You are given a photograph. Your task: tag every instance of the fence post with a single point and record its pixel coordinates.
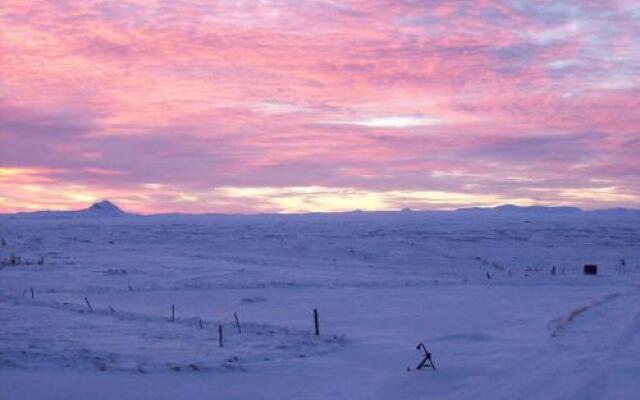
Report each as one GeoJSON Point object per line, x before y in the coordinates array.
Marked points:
{"type": "Point", "coordinates": [220, 339]}
{"type": "Point", "coordinates": [235, 315]}
{"type": "Point", "coordinates": [316, 322]}
{"type": "Point", "coordinates": [88, 304]}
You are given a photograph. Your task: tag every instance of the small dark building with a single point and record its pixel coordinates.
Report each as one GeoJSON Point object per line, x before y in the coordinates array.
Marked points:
{"type": "Point", "coordinates": [591, 269]}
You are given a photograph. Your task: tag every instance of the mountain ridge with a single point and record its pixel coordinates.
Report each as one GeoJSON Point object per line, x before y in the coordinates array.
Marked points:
{"type": "Point", "coordinates": [102, 208]}
{"type": "Point", "coordinates": [107, 208]}
{"type": "Point", "coordinates": [511, 208]}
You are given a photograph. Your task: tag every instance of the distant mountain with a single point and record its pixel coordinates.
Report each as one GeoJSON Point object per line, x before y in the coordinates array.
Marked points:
{"type": "Point", "coordinates": [619, 211]}
{"type": "Point", "coordinates": [103, 208]}
{"type": "Point", "coordinates": [510, 208]}
{"type": "Point", "coordinates": [106, 208]}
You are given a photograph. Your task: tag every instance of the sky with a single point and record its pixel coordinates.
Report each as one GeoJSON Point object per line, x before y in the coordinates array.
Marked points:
{"type": "Point", "coordinates": [297, 105]}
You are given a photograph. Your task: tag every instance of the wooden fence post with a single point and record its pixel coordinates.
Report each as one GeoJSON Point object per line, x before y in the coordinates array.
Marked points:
{"type": "Point", "coordinates": [173, 312]}
{"type": "Point", "coordinates": [316, 322]}
{"type": "Point", "coordinates": [235, 315]}
{"type": "Point", "coordinates": [220, 340]}
{"type": "Point", "coordinates": [88, 304]}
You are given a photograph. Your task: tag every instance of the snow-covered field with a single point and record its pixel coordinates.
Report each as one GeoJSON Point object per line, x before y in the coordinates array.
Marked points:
{"type": "Point", "coordinates": [498, 297]}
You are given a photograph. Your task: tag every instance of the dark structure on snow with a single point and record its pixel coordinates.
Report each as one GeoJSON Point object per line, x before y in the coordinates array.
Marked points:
{"type": "Point", "coordinates": [591, 269]}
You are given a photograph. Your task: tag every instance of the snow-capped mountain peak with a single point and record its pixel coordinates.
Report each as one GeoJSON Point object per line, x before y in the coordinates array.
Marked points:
{"type": "Point", "coordinates": [104, 207]}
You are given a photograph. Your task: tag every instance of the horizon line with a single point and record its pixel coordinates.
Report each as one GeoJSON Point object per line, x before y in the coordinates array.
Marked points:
{"type": "Point", "coordinates": [499, 207]}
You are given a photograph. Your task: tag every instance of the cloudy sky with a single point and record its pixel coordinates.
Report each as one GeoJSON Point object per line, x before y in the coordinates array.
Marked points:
{"type": "Point", "coordinates": [297, 105]}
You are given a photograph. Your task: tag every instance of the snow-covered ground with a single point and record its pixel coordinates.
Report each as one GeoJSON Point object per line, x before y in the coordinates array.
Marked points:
{"type": "Point", "coordinates": [477, 287]}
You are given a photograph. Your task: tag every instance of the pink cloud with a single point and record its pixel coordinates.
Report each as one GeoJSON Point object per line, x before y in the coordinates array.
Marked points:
{"type": "Point", "coordinates": [529, 97]}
